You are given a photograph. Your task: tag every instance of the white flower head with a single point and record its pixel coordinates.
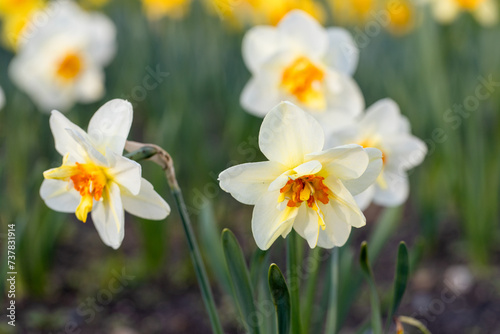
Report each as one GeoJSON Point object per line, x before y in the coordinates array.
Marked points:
{"type": "Point", "coordinates": [384, 128]}
{"type": "Point", "coordinates": [61, 62]}
{"type": "Point", "coordinates": [301, 186]}
{"type": "Point", "coordinates": [95, 177]}
{"type": "Point", "coordinates": [302, 62]}
{"type": "Point", "coordinates": [484, 11]}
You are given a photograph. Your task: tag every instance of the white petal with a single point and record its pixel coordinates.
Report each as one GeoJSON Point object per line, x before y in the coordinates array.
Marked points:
{"type": "Point", "coordinates": [147, 204]}
{"type": "Point", "coordinates": [307, 168]}
{"type": "Point", "coordinates": [64, 141]}
{"type": "Point", "coordinates": [268, 222]}
{"type": "Point", "coordinates": [397, 189]}
{"type": "Point", "coordinates": [102, 46]}
{"type": "Point", "coordinates": [344, 94]}
{"type": "Point", "coordinates": [343, 53]}
{"type": "Point", "coordinates": [370, 175]}
{"type": "Point", "coordinates": [261, 43]}
{"type": "Point", "coordinates": [347, 209]}
{"type": "Point", "coordinates": [125, 172]}
{"type": "Point", "coordinates": [344, 162]}
{"type": "Point", "coordinates": [108, 217]}
{"type": "Point", "coordinates": [110, 125]}
{"type": "Point", "coordinates": [260, 95]}
{"type": "Point", "coordinates": [287, 134]}
{"type": "Point", "coordinates": [59, 196]}
{"type": "Point", "coordinates": [305, 31]}
{"type": "Point", "coordinates": [336, 232]}
{"type": "Point", "coordinates": [87, 148]}
{"type": "Point", "coordinates": [307, 226]}
{"type": "Point", "coordinates": [383, 117]}
{"type": "Point", "coordinates": [248, 182]}
{"type": "Point", "coordinates": [405, 151]}
{"type": "Point", "coordinates": [365, 198]}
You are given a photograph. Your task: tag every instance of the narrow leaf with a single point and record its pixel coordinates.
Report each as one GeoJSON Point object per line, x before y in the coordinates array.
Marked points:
{"type": "Point", "coordinates": [400, 280]}
{"type": "Point", "coordinates": [376, 322]}
{"type": "Point", "coordinates": [281, 298]}
{"type": "Point", "coordinates": [240, 280]}
{"type": "Point", "coordinates": [256, 266]}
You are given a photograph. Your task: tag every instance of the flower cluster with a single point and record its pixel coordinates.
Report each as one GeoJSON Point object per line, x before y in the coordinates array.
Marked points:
{"type": "Point", "coordinates": [320, 175]}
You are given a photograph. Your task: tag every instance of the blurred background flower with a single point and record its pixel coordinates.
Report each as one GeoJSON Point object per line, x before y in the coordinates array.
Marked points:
{"type": "Point", "coordinates": [484, 11]}
{"type": "Point", "coordinates": [60, 60]}
{"type": "Point", "coordinates": [301, 62]}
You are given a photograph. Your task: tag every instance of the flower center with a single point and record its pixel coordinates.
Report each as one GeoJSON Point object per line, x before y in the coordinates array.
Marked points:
{"type": "Point", "coordinates": [303, 79]}
{"type": "Point", "coordinates": [69, 67]}
{"type": "Point", "coordinates": [88, 179]}
{"type": "Point", "coordinates": [308, 188]}
{"type": "Point", "coordinates": [469, 4]}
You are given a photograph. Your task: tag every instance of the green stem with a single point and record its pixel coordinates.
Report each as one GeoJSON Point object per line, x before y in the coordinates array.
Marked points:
{"type": "Point", "coordinates": [311, 289]}
{"type": "Point", "coordinates": [293, 281]}
{"type": "Point", "coordinates": [331, 320]}
{"type": "Point", "coordinates": [161, 157]}
{"type": "Point", "coordinates": [199, 267]}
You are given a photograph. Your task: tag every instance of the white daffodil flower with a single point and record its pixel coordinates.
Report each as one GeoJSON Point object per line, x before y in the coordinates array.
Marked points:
{"type": "Point", "coordinates": [484, 11]}
{"type": "Point", "coordinates": [95, 177]}
{"type": "Point", "coordinates": [384, 127]}
{"type": "Point", "coordinates": [61, 62]}
{"type": "Point", "coordinates": [301, 186]}
{"type": "Point", "coordinates": [300, 61]}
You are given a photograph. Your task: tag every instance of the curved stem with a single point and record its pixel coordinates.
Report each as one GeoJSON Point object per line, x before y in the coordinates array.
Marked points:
{"type": "Point", "coordinates": [140, 151]}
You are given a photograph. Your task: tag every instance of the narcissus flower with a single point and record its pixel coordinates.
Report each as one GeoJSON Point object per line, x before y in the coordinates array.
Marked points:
{"type": "Point", "coordinates": [384, 127]}
{"type": "Point", "coordinates": [61, 62]}
{"type": "Point", "coordinates": [301, 186]}
{"type": "Point", "coordinates": [484, 11]}
{"type": "Point", "coordinates": [301, 62]}
{"type": "Point", "coordinates": [95, 178]}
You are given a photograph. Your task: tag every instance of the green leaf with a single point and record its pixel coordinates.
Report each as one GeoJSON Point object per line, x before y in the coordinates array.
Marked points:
{"type": "Point", "coordinates": [281, 298]}
{"type": "Point", "coordinates": [256, 264]}
{"type": "Point", "coordinates": [400, 280]}
{"type": "Point", "coordinates": [376, 322]}
{"type": "Point", "coordinates": [240, 280]}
